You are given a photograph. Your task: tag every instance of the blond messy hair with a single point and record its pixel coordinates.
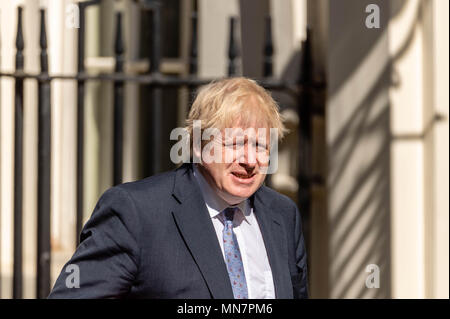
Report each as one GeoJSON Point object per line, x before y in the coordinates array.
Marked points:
{"type": "Point", "coordinates": [222, 103]}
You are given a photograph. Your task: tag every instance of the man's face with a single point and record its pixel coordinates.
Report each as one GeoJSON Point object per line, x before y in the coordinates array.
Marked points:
{"type": "Point", "coordinates": [244, 152]}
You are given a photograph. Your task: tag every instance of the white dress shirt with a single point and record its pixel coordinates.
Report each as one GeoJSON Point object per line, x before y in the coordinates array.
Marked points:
{"type": "Point", "coordinates": [258, 273]}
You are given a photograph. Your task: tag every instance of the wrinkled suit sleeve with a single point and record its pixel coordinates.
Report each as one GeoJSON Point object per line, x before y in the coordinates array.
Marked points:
{"type": "Point", "coordinates": [107, 258]}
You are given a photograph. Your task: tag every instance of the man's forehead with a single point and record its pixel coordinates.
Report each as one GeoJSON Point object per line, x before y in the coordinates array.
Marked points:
{"type": "Point", "coordinates": [249, 132]}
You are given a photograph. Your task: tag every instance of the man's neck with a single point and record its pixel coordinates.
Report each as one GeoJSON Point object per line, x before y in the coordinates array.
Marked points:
{"type": "Point", "coordinates": [212, 191]}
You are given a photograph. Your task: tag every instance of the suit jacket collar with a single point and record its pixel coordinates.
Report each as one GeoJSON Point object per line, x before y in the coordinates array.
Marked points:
{"type": "Point", "coordinates": [194, 223]}
{"type": "Point", "coordinates": [273, 233]}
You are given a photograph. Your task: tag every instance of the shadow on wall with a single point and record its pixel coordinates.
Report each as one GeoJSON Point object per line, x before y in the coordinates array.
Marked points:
{"type": "Point", "coordinates": [359, 139]}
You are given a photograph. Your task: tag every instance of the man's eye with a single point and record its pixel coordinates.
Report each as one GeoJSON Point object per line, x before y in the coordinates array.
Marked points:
{"type": "Point", "coordinates": [237, 145]}
{"type": "Point", "coordinates": [261, 147]}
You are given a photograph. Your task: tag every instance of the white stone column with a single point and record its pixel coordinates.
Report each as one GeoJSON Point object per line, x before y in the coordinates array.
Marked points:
{"type": "Point", "coordinates": [440, 230]}
{"type": "Point", "coordinates": [213, 32]}
{"type": "Point", "coordinates": [62, 44]}
{"type": "Point", "coordinates": [406, 43]}
{"type": "Point", "coordinates": [8, 24]}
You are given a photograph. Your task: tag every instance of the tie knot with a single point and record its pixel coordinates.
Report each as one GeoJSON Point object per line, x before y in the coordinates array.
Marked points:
{"type": "Point", "coordinates": [229, 213]}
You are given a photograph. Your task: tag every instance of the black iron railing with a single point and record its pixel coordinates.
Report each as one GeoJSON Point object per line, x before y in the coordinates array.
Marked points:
{"type": "Point", "coordinates": [156, 81]}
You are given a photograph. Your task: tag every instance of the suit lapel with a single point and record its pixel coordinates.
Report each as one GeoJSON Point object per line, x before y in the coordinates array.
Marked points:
{"type": "Point", "coordinates": [273, 235]}
{"type": "Point", "coordinates": [195, 225]}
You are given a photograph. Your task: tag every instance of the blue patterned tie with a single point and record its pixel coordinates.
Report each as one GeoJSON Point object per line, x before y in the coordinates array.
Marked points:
{"type": "Point", "coordinates": [233, 256]}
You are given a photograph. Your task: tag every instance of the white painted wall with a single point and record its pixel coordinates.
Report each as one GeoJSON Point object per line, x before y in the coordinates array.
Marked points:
{"type": "Point", "coordinates": [420, 150]}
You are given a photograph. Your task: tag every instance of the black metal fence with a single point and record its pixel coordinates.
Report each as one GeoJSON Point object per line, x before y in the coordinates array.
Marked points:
{"type": "Point", "coordinates": [302, 91]}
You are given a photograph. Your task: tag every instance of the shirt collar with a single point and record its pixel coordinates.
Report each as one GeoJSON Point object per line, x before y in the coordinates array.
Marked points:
{"type": "Point", "coordinates": [214, 202]}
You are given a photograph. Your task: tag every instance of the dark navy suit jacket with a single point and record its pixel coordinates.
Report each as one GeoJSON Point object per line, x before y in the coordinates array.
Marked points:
{"type": "Point", "coordinates": [154, 238]}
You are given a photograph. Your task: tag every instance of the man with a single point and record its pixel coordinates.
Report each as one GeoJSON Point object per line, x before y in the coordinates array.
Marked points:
{"type": "Point", "coordinates": [206, 230]}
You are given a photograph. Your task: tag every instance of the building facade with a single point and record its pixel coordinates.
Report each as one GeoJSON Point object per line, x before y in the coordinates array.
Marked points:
{"type": "Point", "coordinates": [377, 224]}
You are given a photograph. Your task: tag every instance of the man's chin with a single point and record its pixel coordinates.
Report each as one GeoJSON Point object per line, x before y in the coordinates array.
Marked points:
{"type": "Point", "coordinates": [240, 195]}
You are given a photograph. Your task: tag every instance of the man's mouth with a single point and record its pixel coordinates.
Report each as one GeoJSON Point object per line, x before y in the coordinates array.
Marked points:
{"type": "Point", "coordinates": [243, 175]}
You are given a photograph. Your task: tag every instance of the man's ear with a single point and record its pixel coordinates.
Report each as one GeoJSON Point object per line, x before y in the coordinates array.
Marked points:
{"type": "Point", "coordinates": [197, 152]}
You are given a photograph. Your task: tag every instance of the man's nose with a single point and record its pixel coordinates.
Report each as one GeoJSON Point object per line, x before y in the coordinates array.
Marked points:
{"type": "Point", "coordinates": [248, 156]}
